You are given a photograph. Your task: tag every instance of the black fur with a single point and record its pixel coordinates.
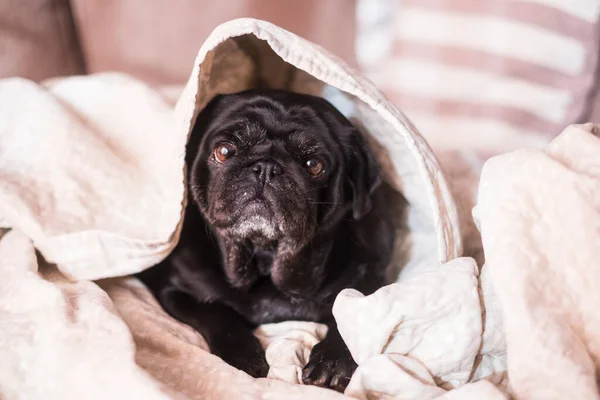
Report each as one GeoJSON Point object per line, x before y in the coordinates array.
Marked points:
{"type": "Point", "coordinates": [265, 241]}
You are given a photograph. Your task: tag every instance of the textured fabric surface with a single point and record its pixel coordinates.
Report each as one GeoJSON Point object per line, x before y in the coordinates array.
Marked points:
{"type": "Point", "coordinates": [416, 339]}
{"type": "Point", "coordinates": [539, 213]}
{"type": "Point", "coordinates": [86, 203]}
{"type": "Point", "coordinates": [62, 340]}
{"type": "Point", "coordinates": [176, 355]}
{"type": "Point", "coordinates": [479, 78]}
{"type": "Point", "coordinates": [496, 75]}
{"type": "Point", "coordinates": [532, 310]}
{"type": "Point", "coordinates": [67, 340]}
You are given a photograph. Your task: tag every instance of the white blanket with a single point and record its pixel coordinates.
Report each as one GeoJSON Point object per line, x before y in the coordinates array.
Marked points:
{"type": "Point", "coordinates": [91, 176]}
{"type": "Point", "coordinates": [539, 213]}
{"type": "Point", "coordinates": [92, 168]}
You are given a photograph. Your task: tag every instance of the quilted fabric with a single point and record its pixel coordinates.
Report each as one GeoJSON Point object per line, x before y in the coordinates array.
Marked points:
{"type": "Point", "coordinates": [539, 213]}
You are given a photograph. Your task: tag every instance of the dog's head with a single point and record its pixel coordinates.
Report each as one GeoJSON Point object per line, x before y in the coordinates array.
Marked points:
{"type": "Point", "coordinates": [275, 169]}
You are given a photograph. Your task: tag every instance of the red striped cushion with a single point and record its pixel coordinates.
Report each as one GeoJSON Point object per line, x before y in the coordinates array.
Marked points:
{"type": "Point", "coordinates": [489, 75]}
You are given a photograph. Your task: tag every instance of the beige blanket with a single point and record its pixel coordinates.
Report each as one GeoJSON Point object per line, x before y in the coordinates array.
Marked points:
{"type": "Point", "coordinates": [91, 175]}
{"type": "Point", "coordinates": [539, 215]}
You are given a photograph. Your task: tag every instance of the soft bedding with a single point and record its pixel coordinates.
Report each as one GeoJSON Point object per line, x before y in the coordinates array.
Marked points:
{"type": "Point", "coordinates": [86, 203]}
{"type": "Point", "coordinates": [413, 340]}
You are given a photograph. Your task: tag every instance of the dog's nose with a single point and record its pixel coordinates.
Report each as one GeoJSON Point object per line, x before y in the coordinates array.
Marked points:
{"type": "Point", "coordinates": [266, 170]}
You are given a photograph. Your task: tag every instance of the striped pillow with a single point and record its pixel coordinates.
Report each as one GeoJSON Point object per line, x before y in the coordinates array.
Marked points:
{"type": "Point", "coordinates": [489, 75]}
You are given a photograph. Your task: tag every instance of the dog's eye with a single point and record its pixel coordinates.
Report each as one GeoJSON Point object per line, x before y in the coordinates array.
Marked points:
{"type": "Point", "coordinates": [315, 167]}
{"type": "Point", "coordinates": [224, 151]}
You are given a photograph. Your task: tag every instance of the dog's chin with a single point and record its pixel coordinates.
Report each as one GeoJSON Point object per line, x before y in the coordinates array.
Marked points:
{"type": "Point", "coordinates": [256, 228]}
{"type": "Point", "coordinates": [256, 223]}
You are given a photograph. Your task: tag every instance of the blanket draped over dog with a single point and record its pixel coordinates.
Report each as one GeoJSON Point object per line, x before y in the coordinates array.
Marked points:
{"type": "Point", "coordinates": [92, 189]}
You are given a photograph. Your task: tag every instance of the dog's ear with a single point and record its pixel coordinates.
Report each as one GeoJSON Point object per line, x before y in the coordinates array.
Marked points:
{"type": "Point", "coordinates": [203, 120]}
{"type": "Point", "coordinates": [363, 175]}
{"type": "Point", "coordinates": [194, 174]}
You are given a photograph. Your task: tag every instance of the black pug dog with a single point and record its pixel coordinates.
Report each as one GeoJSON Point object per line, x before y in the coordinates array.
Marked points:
{"type": "Point", "coordinates": [280, 219]}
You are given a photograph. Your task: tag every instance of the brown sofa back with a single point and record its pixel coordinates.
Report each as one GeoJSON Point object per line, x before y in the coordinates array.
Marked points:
{"type": "Point", "coordinates": [158, 40]}
{"type": "Point", "coordinates": [37, 39]}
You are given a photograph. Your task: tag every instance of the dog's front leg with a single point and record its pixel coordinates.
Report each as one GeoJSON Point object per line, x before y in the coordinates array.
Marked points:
{"type": "Point", "coordinates": [237, 260]}
{"type": "Point", "coordinates": [330, 364]}
{"type": "Point", "coordinates": [226, 332]}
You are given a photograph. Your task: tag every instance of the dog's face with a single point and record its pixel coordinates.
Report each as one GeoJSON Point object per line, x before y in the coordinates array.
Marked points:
{"type": "Point", "coordinates": [276, 169]}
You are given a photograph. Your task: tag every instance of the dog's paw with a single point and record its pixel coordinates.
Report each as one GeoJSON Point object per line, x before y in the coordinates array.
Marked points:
{"type": "Point", "coordinates": [329, 366]}
{"type": "Point", "coordinates": [249, 358]}
{"type": "Point", "coordinates": [256, 367]}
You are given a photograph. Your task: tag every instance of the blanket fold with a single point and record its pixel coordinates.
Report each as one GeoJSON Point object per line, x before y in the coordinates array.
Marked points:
{"type": "Point", "coordinates": [92, 168]}
{"type": "Point", "coordinates": [539, 214]}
